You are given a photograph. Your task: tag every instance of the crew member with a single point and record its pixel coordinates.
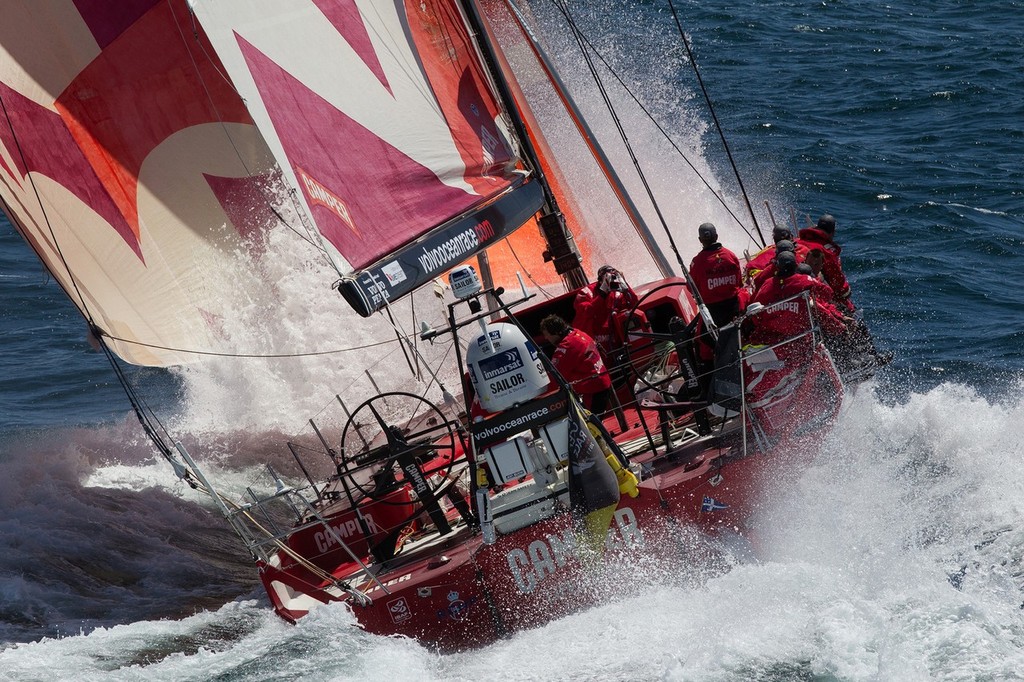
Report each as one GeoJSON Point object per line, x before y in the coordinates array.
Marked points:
{"type": "Point", "coordinates": [769, 269]}
{"type": "Point", "coordinates": [815, 259]}
{"type": "Point", "coordinates": [578, 361]}
{"type": "Point", "coordinates": [857, 347]}
{"type": "Point", "coordinates": [602, 309]}
{"type": "Point", "coordinates": [716, 273]}
{"type": "Point", "coordinates": [821, 236]}
{"type": "Point", "coordinates": [763, 258]}
{"type": "Point", "coordinates": [784, 316]}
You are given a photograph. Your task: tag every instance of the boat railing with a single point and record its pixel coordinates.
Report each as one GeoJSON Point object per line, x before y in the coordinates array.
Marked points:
{"type": "Point", "coordinates": [266, 521]}
{"type": "Point", "coordinates": [694, 418]}
{"type": "Point", "coordinates": [804, 340]}
{"type": "Point", "coordinates": [273, 516]}
{"type": "Point", "coordinates": [813, 329]}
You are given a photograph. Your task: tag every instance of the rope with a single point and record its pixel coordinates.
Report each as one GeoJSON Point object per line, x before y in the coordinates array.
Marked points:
{"type": "Point", "coordinates": [243, 355]}
{"type": "Point", "coordinates": [661, 129]}
{"type": "Point", "coordinates": [580, 39]}
{"type": "Point", "coordinates": [714, 117]}
{"type": "Point", "coordinates": [529, 275]}
{"type": "Point", "coordinates": [402, 336]}
{"type": "Point", "coordinates": [577, 34]}
{"type": "Point", "coordinates": [150, 423]}
{"type": "Point", "coordinates": [361, 597]}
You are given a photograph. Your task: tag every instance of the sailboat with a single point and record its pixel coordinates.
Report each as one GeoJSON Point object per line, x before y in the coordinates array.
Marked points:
{"type": "Point", "coordinates": [146, 153]}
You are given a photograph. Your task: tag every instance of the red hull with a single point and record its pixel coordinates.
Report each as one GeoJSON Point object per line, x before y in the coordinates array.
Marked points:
{"type": "Point", "coordinates": [454, 591]}
{"type": "Point", "coordinates": [464, 593]}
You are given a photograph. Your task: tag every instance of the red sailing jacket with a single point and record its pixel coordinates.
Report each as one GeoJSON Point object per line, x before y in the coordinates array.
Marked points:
{"type": "Point", "coordinates": [762, 277]}
{"type": "Point", "coordinates": [783, 320]}
{"type": "Point", "coordinates": [764, 269]}
{"type": "Point", "coordinates": [823, 294]}
{"type": "Point", "coordinates": [716, 272]}
{"type": "Point", "coordinates": [596, 314]}
{"type": "Point", "coordinates": [832, 270]}
{"type": "Point", "coordinates": [580, 364]}
{"type": "Point", "coordinates": [765, 259]}
{"type": "Point", "coordinates": [759, 262]}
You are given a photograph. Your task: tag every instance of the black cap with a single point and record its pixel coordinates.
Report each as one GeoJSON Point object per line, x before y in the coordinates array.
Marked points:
{"type": "Point", "coordinates": [785, 263]}
{"type": "Point", "coordinates": [827, 224]}
{"type": "Point", "coordinates": [805, 269]}
{"type": "Point", "coordinates": [707, 230]}
{"type": "Point", "coordinates": [780, 233]}
{"type": "Point", "coordinates": [785, 245]}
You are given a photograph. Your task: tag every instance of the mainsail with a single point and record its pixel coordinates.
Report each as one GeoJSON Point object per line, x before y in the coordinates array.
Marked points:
{"type": "Point", "coordinates": [599, 214]}
{"type": "Point", "coordinates": [382, 114]}
{"type": "Point", "coordinates": [147, 150]}
{"type": "Point", "coordinates": [132, 168]}
{"type": "Point", "coordinates": [533, 80]}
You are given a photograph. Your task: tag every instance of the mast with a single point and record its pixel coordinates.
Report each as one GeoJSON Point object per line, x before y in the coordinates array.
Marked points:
{"type": "Point", "coordinates": [625, 200]}
{"type": "Point", "coordinates": [603, 162]}
{"type": "Point", "coordinates": [562, 249]}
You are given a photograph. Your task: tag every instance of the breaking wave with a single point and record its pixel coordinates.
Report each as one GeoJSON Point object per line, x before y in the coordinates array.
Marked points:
{"type": "Point", "coordinates": [896, 555]}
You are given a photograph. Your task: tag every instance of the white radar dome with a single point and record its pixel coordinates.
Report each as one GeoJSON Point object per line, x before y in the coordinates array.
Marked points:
{"type": "Point", "coordinates": [507, 370]}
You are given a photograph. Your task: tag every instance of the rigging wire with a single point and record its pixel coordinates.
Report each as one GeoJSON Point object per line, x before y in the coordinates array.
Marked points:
{"type": "Point", "coordinates": [296, 433]}
{"type": "Point", "coordinates": [529, 275]}
{"type": "Point", "coordinates": [398, 337]}
{"type": "Point", "coordinates": [661, 129]}
{"type": "Point", "coordinates": [403, 336]}
{"type": "Point", "coordinates": [577, 34]}
{"type": "Point", "coordinates": [694, 291]}
{"type": "Point", "coordinates": [245, 355]}
{"type": "Point", "coordinates": [151, 424]}
{"type": "Point", "coordinates": [714, 117]}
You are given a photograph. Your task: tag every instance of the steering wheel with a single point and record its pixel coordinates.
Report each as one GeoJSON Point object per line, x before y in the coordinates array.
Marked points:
{"type": "Point", "coordinates": [397, 438]}
{"type": "Point", "coordinates": [646, 369]}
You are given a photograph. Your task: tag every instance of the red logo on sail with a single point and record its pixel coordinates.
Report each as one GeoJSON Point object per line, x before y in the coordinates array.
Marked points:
{"type": "Point", "coordinates": [318, 194]}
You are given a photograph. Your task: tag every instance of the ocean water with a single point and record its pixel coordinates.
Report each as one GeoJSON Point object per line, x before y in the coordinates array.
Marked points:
{"type": "Point", "coordinates": [899, 555]}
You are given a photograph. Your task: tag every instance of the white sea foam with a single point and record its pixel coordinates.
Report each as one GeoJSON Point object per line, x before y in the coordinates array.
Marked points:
{"type": "Point", "coordinates": [978, 209]}
{"type": "Point", "coordinates": [896, 555]}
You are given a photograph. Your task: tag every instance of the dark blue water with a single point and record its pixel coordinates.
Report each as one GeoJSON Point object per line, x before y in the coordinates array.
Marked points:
{"type": "Point", "coordinates": [903, 120]}
{"type": "Point", "coordinates": [49, 373]}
